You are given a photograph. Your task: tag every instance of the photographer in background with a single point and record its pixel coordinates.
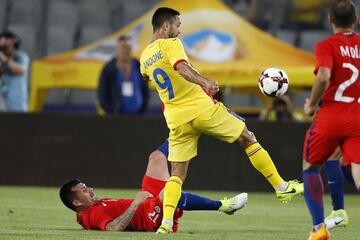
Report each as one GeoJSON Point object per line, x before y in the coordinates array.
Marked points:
{"type": "Point", "coordinates": [280, 110]}
{"type": "Point", "coordinates": [14, 65]}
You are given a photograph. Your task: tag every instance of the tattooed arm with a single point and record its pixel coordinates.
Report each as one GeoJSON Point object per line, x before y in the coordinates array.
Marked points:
{"type": "Point", "coordinates": [122, 221]}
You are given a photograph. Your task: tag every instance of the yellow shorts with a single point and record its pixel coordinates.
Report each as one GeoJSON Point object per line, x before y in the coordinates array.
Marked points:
{"type": "Point", "coordinates": [217, 122]}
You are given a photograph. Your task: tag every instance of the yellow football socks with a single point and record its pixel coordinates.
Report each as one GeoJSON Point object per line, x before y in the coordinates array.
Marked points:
{"type": "Point", "coordinates": [172, 195]}
{"type": "Point", "coordinates": [261, 160]}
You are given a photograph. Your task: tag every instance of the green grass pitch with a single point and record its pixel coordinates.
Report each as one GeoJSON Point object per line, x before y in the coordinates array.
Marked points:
{"type": "Point", "coordinates": [37, 213]}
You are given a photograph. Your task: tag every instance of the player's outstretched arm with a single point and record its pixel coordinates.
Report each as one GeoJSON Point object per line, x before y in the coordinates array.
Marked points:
{"type": "Point", "coordinates": [320, 85]}
{"type": "Point", "coordinates": [122, 221]}
{"type": "Point", "coordinates": [190, 74]}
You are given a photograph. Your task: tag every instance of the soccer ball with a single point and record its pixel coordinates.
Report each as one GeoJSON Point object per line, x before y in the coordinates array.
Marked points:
{"type": "Point", "coordinates": [273, 82]}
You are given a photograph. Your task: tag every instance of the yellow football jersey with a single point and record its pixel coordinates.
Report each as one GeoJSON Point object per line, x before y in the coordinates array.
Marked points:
{"type": "Point", "coordinates": [183, 100]}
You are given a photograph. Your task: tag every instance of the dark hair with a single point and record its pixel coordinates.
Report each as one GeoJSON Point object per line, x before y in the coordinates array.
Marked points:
{"type": "Point", "coordinates": [123, 38]}
{"type": "Point", "coordinates": [343, 13]}
{"type": "Point", "coordinates": [162, 15]}
{"type": "Point", "coordinates": [13, 36]}
{"type": "Point", "coordinates": [67, 195]}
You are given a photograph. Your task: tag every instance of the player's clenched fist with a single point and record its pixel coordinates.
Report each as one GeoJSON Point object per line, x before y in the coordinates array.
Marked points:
{"type": "Point", "coordinates": [211, 87]}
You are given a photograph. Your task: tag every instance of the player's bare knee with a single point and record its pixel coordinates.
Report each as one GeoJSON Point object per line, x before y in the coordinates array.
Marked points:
{"type": "Point", "coordinates": [246, 138]}
{"type": "Point", "coordinates": [357, 181]}
{"type": "Point", "coordinates": [336, 154]}
{"type": "Point", "coordinates": [157, 166]}
{"type": "Point", "coordinates": [157, 158]}
{"type": "Point", "coordinates": [355, 169]}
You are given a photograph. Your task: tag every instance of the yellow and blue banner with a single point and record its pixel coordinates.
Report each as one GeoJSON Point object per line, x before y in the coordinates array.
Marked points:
{"type": "Point", "coordinates": [220, 44]}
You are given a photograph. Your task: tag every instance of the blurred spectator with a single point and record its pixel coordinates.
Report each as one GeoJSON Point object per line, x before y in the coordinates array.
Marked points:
{"type": "Point", "coordinates": [357, 5]}
{"type": "Point", "coordinates": [264, 14]}
{"type": "Point", "coordinates": [14, 65]}
{"type": "Point", "coordinates": [308, 15]}
{"type": "Point", "coordinates": [122, 89]}
{"type": "Point", "coordinates": [249, 10]}
{"type": "Point", "coordinates": [280, 109]}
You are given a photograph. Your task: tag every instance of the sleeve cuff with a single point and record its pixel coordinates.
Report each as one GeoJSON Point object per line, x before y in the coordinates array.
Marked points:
{"type": "Point", "coordinates": [179, 61]}
{"type": "Point", "coordinates": [319, 66]}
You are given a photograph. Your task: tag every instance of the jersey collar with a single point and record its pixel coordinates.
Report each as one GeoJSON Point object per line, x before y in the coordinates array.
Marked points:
{"type": "Point", "coordinates": [346, 34]}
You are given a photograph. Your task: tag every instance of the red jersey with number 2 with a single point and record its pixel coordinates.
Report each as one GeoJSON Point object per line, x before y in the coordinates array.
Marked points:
{"type": "Point", "coordinates": [337, 123]}
{"type": "Point", "coordinates": [340, 53]}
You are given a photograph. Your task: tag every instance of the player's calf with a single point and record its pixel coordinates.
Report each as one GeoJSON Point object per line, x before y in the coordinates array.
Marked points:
{"type": "Point", "coordinates": [262, 162]}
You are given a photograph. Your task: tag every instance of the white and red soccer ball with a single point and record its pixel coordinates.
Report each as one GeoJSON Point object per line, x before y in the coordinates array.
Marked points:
{"type": "Point", "coordinates": [273, 82]}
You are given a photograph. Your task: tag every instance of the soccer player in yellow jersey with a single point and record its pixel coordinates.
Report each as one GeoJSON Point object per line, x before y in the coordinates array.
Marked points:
{"type": "Point", "coordinates": [189, 111]}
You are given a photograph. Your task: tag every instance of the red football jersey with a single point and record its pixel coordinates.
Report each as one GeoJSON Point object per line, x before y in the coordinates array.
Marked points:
{"type": "Point", "coordinates": [147, 217]}
{"type": "Point", "coordinates": [337, 123]}
{"type": "Point", "coordinates": [341, 53]}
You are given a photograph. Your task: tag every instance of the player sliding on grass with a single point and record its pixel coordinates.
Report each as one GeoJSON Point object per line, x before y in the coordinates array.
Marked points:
{"type": "Point", "coordinates": [189, 111]}
{"type": "Point", "coordinates": [337, 121]}
{"type": "Point", "coordinates": [144, 212]}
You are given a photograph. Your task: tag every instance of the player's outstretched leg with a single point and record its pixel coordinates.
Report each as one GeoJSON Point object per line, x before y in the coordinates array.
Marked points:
{"type": "Point", "coordinates": [261, 160]}
{"type": "Point", "coordinates": [193, 202]}
{"type": "Point", "coordinates": [338, 216]}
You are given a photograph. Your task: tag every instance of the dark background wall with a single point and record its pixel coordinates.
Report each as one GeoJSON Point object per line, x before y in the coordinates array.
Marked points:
{"type": "Point", "coordinates": [47, 149]}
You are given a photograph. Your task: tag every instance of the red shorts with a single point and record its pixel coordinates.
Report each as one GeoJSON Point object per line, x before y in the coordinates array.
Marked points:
{"type": "Point", "coordinates": [152, 209]}
{"type": "Point", "coordinates": [333, 127]}
{"type": "Point", "coordinates": [152, 185]}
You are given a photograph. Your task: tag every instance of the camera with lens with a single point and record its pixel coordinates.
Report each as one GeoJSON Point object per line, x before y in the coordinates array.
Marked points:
{"type": "Point", "coordinates": [2, 48]}
{"type": "Point", "coordinates": [2, 64]}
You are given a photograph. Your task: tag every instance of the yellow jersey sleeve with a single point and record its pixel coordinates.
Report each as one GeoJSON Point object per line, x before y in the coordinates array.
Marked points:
{"type": "Point", "coordinates": [174, 51]}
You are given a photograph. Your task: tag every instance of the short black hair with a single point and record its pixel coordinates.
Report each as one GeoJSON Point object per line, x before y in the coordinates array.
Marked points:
{"type": "Point", "coordinates": [123, 38]}
{"type": "Point", "coordinates": [162, 15]}
{"type": "Point", "coordinates": [67, 195]}
{"type": "Point", "coordinates": [11, 35]}
{"type": "Point", "coordinates": [343, 13]}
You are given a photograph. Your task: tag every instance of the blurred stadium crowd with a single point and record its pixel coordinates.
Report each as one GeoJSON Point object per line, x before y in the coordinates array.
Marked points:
{"type": "Point", "coordinates": [48, 27]}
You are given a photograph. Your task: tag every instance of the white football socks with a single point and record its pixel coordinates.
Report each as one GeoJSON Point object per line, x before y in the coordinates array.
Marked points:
{"type": "Point", "coordinates": [282, 187]}
{"type": "Point", "coordinates": [169, 222]}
